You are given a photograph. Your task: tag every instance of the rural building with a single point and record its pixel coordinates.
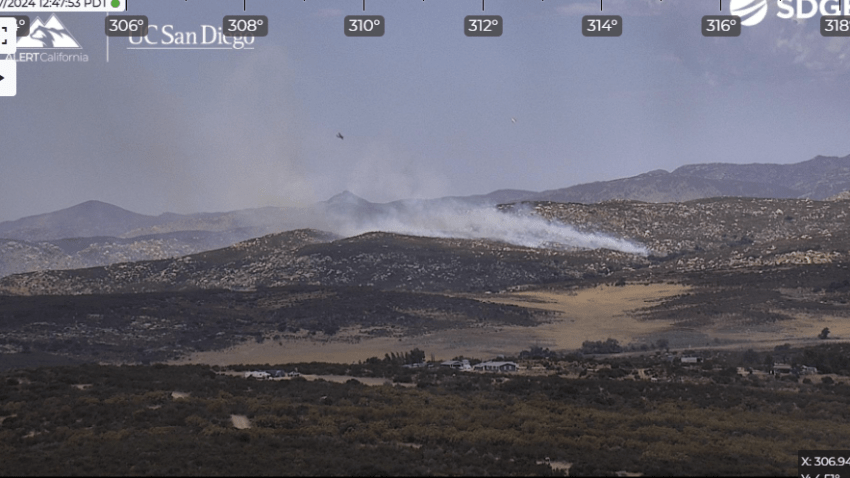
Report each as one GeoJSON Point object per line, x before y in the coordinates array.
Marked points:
{"type": "Point", "coordinates": [496, 366]}
{"type": "Point", "coordinates": [457, 364]}
{"type": "Point", "coordinates": [785, 369]}
{"type": "Point", "coordinates": [691, 359]}
{"type": "Point", "coordinates": [415, 365]}
{"type": "Point", "coordinates": [781, 368]}
{"type": "Point", "coordinates": [259, 375]}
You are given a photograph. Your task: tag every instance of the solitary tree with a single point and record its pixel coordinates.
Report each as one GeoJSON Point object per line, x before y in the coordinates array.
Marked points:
{"type": "Point", "coordinates": [824, 333]}
{"type": "Point", "coordinates": [416, 356]}
{"type": "Point", "coordinates": [768, 361]}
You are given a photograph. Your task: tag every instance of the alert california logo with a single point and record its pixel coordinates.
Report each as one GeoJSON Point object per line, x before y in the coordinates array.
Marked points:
{"type": "Point", "coordinates": [51, 35]}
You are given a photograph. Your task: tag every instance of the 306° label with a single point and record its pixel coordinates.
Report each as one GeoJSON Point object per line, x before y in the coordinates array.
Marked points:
{"type": "Point", "coordinates": [127, 26]}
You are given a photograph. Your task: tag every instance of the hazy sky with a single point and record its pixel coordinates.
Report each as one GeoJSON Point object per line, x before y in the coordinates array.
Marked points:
{"type": "Point", "coordinates": [425, 110]}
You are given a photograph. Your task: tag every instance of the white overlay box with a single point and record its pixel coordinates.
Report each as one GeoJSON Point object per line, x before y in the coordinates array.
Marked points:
{"type": "Point", "coordinates": [9, 72]}
{"type": "Point", "coordinates": [8, 35]}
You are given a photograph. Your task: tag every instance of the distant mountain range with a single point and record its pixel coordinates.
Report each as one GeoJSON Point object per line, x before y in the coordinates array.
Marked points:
{"type": "Point", "coordinates": [818, 178]}
{"type": "Point", "coordinates": [716, 234]}
{"type": "Point", "coordinates": [95, 233]}
{"type": "Point", "coordinates": [99, 219]}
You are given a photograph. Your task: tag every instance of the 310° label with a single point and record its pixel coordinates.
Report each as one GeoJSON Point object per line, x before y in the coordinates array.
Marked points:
{"type": "Point", "coordinates": [364, 26]}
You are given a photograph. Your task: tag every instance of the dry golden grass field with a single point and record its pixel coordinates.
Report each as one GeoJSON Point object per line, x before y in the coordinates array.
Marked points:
{"type": "Point", "coordinates": [586, 314]}
{"type": "Point", "coordinates": [592, 314]}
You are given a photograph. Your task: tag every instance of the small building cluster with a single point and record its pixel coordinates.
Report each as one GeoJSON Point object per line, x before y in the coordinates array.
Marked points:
{"type": "Point", "coordinates": [490, 366]}
{"type": "Point", "coordinates": [496, 367]}
{"type": "Point", "coordinates": [780, 369]}
{"type": "Point", "coordinates": [267, 374]}
{"type": "Point", "coordinates": [691, 360]}
{"type": "Point", "coordinates": [457, 364]}
{"type": "Point", "coordinates": [417, 365]}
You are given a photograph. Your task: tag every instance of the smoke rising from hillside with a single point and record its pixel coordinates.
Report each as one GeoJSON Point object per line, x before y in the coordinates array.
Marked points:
{"type": "Point", "coordinates": [465, 221]}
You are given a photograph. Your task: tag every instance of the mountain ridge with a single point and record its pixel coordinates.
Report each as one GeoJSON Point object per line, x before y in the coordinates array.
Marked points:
{"type": "Point", "coordinates": [819, 178]}
{"type": "Point", "coordinates": [716, 234]}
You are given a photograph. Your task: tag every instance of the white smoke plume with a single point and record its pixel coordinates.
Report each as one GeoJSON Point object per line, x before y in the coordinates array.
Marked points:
{"type": "Point", "coordinates": [450, 219]}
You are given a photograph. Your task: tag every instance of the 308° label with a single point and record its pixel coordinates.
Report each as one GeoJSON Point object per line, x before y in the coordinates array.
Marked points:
{"type": "Point", "coordinates": [245, 25]}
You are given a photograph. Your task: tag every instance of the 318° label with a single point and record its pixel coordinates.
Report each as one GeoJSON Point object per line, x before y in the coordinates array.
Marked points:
{"type": "Point", "coordinates": [831, 26]}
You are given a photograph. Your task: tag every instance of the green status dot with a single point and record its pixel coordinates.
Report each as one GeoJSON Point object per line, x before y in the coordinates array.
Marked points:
{"type": "Point", "coordinates": [116, 3]}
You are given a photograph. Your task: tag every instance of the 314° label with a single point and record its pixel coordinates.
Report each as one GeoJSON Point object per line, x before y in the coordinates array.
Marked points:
{"type": "Point", "coordinates": [602, 25]}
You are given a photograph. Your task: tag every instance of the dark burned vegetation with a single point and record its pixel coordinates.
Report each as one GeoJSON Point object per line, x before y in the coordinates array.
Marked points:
{"type": "Point", "coordinates": [748, 262]}
{"type": "Point", "coordinates": [768, 295]}
{"type": "Point", "coordinates": [382, 260]}
{"type": "Point", "coordinates": [162, 325]}
{"type": "Point", "coordinates": [94, 419]}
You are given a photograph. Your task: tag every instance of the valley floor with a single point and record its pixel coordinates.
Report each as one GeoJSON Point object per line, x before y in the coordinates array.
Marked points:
{"type": "Point", "coordinates": [584, 314]}
{"type": "Point", "coordinates": [578, 315]}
